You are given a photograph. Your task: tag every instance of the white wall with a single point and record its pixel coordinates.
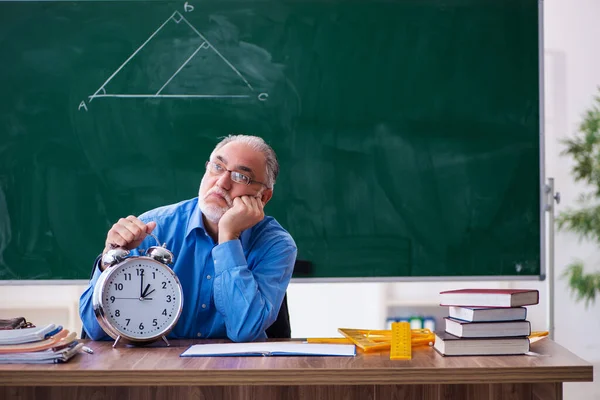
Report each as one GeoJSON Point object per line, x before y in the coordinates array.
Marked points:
{"type": "Point", "coordinates": [572, 35]}
{"type": "Point", "coordinates": [42, 304]}
{"type": "Point", "coordinates": [572, 56]}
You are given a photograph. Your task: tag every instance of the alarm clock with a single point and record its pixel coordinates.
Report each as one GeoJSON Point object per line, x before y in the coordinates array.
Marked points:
{"type": "Point", "coordinates": [138, 299]}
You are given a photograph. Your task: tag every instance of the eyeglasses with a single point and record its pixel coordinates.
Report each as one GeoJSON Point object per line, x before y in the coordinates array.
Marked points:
{"type": "Point", "coordinates": [217, 169]}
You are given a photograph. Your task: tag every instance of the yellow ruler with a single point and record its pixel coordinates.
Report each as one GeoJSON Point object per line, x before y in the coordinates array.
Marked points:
{"type": "Point", "coordinates": [375, 340]}
{"type": "Point", "coordinates": [368, 340]}
{"type": "Point", "coordinates": [395, 340]}
{"type": "Point", "coordinates": [401, 341]}
{"type": "Point", "coordinates": [537, 335]}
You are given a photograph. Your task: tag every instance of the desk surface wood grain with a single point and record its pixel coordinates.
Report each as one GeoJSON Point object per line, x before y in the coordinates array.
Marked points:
{"type": "Point", "coordinates": [162, 366]}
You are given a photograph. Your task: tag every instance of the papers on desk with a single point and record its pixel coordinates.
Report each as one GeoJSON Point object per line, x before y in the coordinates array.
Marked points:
{"type": "Point", "coordinates": [26, 335]}
{"type": "Point", "coordinates": [45, 345]}
{"type": "Point", "coordinates": [269, 349]}
{"type": "Point", "coordinates": [49, 356]}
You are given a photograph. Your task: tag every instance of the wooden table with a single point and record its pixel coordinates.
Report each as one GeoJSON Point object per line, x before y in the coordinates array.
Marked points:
{"type": "Point", "coordinates": [159, 373]}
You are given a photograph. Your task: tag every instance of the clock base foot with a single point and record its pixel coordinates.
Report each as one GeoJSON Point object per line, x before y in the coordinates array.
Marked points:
{"type": "Point", "coordinates": [166, 341]}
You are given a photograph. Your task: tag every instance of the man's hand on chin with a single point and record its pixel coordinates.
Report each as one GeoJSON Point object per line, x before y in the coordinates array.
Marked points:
{"type": "Point", "coordinates": [246, 212]}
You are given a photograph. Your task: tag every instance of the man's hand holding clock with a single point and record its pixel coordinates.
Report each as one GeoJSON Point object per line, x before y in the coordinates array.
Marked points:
{"type": "Point", "coordinates": [128, 233]}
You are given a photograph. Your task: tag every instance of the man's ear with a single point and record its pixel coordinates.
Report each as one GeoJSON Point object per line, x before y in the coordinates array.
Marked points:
{"type": "Point", "coordinates": [266, 196]}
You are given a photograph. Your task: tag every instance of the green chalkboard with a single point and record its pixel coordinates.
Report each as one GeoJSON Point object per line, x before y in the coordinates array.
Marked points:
{"type": "Point", "coordinates": [407, 130]}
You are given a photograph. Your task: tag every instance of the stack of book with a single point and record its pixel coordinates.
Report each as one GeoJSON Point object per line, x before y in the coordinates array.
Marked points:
{"type": "Point", "coordinates": [48, 344]}
{"type": "Point", "coordinates": [486, 322]}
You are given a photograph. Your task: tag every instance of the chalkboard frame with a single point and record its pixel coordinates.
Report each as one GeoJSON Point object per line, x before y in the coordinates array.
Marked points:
{"type": "Point", "coordinates": [542, 197]}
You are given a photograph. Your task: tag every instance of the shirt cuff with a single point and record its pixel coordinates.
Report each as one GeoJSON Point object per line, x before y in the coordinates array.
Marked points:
{"type": "Point", "coordinates": [228, 255]}
{"type": "Point", "coordinates": [96, 271]}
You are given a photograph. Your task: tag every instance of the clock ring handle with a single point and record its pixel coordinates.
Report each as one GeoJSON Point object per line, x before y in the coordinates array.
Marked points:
{"type": "Point", "coordinates": [155, 238]}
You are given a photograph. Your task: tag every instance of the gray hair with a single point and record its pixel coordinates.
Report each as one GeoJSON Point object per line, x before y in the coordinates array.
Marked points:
{"type": "Point", "coordinates": [258, 144]}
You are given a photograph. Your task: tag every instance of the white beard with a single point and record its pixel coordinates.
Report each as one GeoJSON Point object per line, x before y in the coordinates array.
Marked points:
{"type": "Point", "coordinates": [212, 212]}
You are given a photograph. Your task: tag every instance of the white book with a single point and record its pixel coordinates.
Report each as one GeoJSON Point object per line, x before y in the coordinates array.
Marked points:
{"type": "Point", "coordinates": [487, 329]}
{"type": "Point", "coordinates": [270, 349]}
{"type": "Point", "coordinates": [25, 335]}
{"type": "Point", "coordinates": [449, 345]}
{"type": "Point", "coordinates": [485, 314]}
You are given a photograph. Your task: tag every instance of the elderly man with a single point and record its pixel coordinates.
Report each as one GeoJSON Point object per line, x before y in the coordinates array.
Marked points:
{"type": "Point", "coordinates": [234, 264]}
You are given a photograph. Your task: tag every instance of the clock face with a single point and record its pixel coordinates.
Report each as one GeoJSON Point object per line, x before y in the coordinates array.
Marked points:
{"type": "Point", "coordinates": [141, 299]}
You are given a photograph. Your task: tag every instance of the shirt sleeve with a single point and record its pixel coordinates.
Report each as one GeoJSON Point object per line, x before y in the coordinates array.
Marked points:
{"type": "Point", "coordinates": [86, 309]}
{"type": "Point", "coordinates": [249, 300]}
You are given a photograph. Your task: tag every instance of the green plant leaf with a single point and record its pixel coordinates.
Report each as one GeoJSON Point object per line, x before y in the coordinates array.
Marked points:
{"type": "Point", "coordinates": [584, 149]}
{"type": "Point", "coordinates": [583, 286]}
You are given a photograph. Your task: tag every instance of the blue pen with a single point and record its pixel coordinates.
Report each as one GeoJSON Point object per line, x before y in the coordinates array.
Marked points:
{"type": "Point", "coordinates": [54, 332]}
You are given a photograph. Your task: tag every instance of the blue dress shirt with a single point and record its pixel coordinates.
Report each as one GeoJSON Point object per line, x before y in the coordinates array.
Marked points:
{"type": "Point", "coordinates": [233, 289]}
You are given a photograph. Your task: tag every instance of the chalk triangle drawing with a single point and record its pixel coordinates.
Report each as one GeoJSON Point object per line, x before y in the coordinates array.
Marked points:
{"type": "Point", "coordinates": [177, 61]}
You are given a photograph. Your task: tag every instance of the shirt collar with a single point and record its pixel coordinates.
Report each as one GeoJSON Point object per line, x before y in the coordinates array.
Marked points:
{"type": "Point", "coordinates": [196, 221]}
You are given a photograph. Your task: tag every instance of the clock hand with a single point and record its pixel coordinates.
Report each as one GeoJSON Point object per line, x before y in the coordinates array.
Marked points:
{"type": "Point", "coordinates": [145, 290]}
{"type": "Point", "coordinates": [141, 283]}
{"type": "Point", "coordinates": [147, 294]}
{"type": "Point", "coordinates": [127, 298]}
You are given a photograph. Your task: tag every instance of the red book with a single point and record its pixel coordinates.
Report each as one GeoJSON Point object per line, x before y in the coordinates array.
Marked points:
{"type": "Point", "coordinates": [489, 297]}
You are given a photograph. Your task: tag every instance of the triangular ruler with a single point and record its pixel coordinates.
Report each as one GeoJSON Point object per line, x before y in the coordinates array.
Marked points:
{"type": "Point", "coordinates": [375, 340]}
{"type": "Point", "coordinates": [177, 61]}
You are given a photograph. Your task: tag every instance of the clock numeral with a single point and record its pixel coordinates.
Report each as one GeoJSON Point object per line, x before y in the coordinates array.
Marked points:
{"type": "Point", "coordinates": [128, 321]}
{"type": "Point", "coordinates": [117, 313]}
{"type": "Point", "coordinates": [164, 312]}
{"type": "Point", "coordinates": [118, 286]}
{"type": "Point", "coordinates": [168, 298]}
{"type": "Point", "coordinates": [154, 322]}
{"type": "Point", "coordinates": [140, 271]}
{"type": "Point", "coordinates": [112, 299]}
{"type": "Point", "coordinates": [127, 276]}
{"type": "Point", "coordinates": [153, 275]}
{"type": "Point", "coordinates": [164, 284]}
{"type": "Point", "coordinates": [141, 326]}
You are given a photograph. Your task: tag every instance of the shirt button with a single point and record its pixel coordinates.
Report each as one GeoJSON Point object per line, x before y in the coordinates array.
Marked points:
{"type": "Point", "coordinates": [198, 334]}
{"type": "Point", "coordinates": [203, 305]}
{"type": "Point", "coordinates": [208, 276]}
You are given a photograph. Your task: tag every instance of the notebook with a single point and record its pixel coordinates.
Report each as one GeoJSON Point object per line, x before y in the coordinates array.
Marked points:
{"type": "Point", "coordinates": [26, 335]}
{"type": "Point", "coordinates": [49, 356]}
{"type": "Point", "coordinates": [270, 349]}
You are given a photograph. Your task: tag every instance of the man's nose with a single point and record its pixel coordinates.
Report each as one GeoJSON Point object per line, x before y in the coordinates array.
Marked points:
{"type": "Point", "coordinates": [225, 181]}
